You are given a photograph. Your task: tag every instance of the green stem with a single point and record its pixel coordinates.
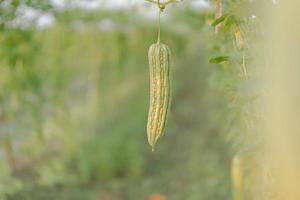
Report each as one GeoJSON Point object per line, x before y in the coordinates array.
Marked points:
{"type": "Point", "coordinates": [158, 37]}
{"type": "Point", "coordinates": [244, 66]}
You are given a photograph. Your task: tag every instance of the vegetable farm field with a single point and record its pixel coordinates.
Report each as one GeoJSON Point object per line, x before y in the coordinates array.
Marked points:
{"type": "Point", "coordinates": [149, 100]}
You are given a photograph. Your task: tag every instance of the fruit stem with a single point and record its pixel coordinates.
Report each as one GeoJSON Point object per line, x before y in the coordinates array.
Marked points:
{"type": "Point", "coordinates": [158, 37]}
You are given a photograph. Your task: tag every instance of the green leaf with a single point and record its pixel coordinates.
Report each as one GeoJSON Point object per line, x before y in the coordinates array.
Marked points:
{"type": "Point", "coordinates": [231, 20]}
{"type": "Point", "coordinates": [219, 59]}
{"type": "Point", "coordinates": [220, 20]}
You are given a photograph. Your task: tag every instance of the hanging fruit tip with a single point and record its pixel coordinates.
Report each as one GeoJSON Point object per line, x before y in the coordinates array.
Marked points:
{"type": "Point", "coordinates": [152, 149]}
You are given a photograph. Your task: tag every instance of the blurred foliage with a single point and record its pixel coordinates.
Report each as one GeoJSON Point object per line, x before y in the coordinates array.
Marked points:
{"type": "Point", "coordinates": [237, 80]}
{"type": "Point", "coordinates": [74, 100]}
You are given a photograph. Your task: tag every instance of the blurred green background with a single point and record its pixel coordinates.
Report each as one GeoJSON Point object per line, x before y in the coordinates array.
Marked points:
{"type": "Point", "coordinates": [74, 95]}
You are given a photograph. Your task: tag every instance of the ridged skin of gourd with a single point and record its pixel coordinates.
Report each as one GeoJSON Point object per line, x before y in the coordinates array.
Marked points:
{"type": "Point", "coordinates": [159, 67]}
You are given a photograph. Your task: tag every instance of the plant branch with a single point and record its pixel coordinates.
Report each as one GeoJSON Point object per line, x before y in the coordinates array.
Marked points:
{"type": "Point", "coordinates": [219, 13]}
{"type": "Point", "coordinates": [165, 3]}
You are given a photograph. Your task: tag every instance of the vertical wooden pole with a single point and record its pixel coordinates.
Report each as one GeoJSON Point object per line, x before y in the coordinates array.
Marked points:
{"type": "Point", "coordinates": [282, 98]}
